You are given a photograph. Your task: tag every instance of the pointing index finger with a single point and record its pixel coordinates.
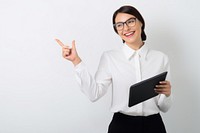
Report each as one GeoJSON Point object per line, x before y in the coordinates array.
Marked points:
{"type": "Point", "coordinates": [59, 42]}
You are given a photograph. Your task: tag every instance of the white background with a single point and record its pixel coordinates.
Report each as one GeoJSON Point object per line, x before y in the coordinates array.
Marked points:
{"type": "Point", "coordinates": [38, 90]}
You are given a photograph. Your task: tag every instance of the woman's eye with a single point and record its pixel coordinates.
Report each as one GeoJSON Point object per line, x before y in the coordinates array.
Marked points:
{"type": "Point", "coordinates": [119, 25]}
{"type": "Point", "coordinates": [131, 21]}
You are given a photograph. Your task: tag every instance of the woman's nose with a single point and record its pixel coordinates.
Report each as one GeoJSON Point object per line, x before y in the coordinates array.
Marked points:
{"type": "Point", "coordinates": [126, 27]}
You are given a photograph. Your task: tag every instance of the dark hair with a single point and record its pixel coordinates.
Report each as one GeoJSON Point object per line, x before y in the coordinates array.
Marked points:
{"type": "Point", "coordinates": [133, 11]}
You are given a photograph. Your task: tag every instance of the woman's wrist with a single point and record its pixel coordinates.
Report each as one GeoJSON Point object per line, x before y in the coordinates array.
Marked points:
{"type": "Point", "coordinates": [76, 61]}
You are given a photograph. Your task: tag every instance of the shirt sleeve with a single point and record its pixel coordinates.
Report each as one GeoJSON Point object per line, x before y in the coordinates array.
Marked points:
{"type": "Point", "coordinates": [94, 88]}
{"type": "Point", "coordinates": [165, 102]}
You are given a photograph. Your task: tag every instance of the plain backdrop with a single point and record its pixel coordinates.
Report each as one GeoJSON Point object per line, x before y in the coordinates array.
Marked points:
{"type": "Point", "coordinates": [38, 90]}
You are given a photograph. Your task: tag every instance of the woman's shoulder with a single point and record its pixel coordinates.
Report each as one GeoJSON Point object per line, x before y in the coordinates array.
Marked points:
{"type": "Point", "coordinates": [157, 54]}
{"type": "Point", "coordinates": [113, 52]}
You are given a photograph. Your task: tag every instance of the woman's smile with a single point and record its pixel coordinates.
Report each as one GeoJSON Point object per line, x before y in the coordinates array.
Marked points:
{"type": "Point", "coordinates": [129, 34]}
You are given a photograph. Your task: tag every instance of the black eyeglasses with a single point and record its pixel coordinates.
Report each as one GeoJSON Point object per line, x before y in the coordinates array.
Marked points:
{"type": "Point", "coordinates": [130, 23]}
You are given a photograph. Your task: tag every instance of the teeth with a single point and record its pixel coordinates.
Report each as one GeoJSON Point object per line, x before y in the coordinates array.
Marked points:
{"type": "Point", "coordinates": [129, 33]}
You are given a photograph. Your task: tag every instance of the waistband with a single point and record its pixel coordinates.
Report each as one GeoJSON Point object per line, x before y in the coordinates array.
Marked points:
{"type": "Point", "coordinates": [121, 116]}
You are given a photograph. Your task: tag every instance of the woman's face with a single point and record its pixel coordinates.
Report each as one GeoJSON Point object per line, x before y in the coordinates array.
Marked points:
{"type": "Point", "coordinates": [130, 34]}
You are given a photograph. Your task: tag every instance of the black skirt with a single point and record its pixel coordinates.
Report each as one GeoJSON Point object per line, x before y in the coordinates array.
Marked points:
{"type": "Point", "coordinates": [122, 123]}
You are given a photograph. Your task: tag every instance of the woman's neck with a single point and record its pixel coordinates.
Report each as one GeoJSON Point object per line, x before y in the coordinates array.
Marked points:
{"type": "Point", "coordinates": [135, 45]}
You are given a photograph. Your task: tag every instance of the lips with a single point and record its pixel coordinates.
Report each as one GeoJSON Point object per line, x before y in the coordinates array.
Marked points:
{"type": "Point", "coordinates": [129, 34]}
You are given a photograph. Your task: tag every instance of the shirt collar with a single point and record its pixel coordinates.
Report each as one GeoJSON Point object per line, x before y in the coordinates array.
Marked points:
{"type": "Point", "coordinates": [129, 52]}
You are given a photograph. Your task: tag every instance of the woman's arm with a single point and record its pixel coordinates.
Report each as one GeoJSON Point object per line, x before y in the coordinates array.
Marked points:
{"type": "Point", "coordinates": [93, 88]}
{"type": "Point", "coordinates": [165, 100]}
{"type": "Point", "coordinates": [164, 88]}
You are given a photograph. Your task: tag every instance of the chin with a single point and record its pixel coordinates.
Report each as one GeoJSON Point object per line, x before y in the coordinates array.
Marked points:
{"type": "Point", "coordinates": [129, 41]}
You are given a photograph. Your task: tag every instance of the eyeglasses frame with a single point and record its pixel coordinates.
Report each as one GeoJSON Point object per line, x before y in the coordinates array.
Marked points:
{"type": "Point", "coordinates": [114, 25]}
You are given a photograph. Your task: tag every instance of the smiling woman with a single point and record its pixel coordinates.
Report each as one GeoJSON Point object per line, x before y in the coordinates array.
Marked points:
{"type": "Point", "coordinates": [131, 11]}
{"type": "Point", "coordinates": [131, 63]}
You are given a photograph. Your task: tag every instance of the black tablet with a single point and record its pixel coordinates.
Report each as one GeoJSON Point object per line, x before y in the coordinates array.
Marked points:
{"type": "Point", "coordinates": [144, 90]}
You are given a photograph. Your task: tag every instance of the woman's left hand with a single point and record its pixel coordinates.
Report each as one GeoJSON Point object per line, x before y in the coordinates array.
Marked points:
{"type": "Point", "coordinates": [164, 87]}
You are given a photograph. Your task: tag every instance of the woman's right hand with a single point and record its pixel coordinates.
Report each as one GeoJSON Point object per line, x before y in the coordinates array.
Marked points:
{"type": "Point", "coordinates": [69, 53]}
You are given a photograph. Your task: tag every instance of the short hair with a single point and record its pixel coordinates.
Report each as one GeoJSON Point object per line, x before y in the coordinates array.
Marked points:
{"type": "Point", "coordinates": [132, 11]}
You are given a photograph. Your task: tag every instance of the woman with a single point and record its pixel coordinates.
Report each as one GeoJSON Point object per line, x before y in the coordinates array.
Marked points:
{"type": "Point", "coordinates": [122, 68]}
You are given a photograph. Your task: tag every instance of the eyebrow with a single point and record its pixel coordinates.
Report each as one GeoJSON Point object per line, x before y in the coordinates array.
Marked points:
{"type": "Point", "coordinates": [126, 20]}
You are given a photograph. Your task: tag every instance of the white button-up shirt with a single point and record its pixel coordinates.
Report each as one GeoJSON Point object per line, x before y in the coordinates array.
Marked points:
{"type": "Point", "coordinates": [121, 69]}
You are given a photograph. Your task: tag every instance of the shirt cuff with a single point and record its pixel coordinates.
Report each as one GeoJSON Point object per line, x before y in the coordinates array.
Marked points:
{"type": "Point", "coordinates": [165, 102]}
{"type": "Point", "coordinates": [79, 67]}
{"type": "Point", "coordinates": [166, 98]}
